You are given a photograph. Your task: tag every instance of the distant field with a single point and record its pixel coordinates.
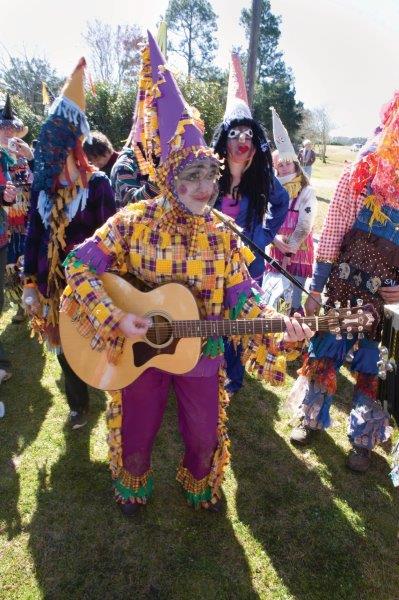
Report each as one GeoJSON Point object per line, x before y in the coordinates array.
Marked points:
{"type": "Point", "coordinates": [325, 177]}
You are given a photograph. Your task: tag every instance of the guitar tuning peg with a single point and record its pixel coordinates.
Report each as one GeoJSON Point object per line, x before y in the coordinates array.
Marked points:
{"type": "Point", "coordinates": [338, 336]}
{"type": "Point", "coordinates": [360, 335]}
{"type": "Point", "coordinates": [337, 304]}
{"type": "Point", "coordinates": [349, 336]}
{"type": "Point", "coordinates": [348, 303]}
{"type": "Point", "coordinates": [359, 302]}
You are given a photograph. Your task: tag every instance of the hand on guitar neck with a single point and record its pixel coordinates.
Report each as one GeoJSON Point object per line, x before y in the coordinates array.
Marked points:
{"type": "Point", "coordinates": [294, 332]}
{"type": "Point", "coordinates": [134, 327]}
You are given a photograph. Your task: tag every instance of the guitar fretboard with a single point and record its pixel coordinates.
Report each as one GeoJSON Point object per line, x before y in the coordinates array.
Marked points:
{"type": "Point", "coordinates": [196, 328]}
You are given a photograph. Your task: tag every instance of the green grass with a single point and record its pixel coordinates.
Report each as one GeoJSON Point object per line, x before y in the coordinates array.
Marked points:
{"type": "Point", "coordinates": [295, 525]}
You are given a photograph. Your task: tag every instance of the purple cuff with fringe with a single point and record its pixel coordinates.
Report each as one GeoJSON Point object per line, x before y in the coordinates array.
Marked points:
{"type": "Point", "coordinates": [91, 254]}
{"type": "Point", "coordinates": [233, 293]}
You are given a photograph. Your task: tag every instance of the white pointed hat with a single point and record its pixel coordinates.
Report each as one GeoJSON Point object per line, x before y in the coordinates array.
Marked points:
{"type": "Point", "coordinates": [237, 99]}
{"type": "Point", "coordinates": [282, 139]}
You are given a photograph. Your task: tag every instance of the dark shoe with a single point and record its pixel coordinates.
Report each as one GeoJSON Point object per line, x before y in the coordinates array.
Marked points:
{"type": "Point", "coordinates": [4, 375]}
{"type": "Point", "coordinates": [129, 509]}
{"type": "Point", "coordinates": [77, 419]}
{"type": "Point", "coordinates": [301, 435]}
{"type": "Point", "coordinates": [214, 507]}
{"type": "Point", "coordinates": [18, 318]}
{"type": "Point", "coordinates": [359, 459]}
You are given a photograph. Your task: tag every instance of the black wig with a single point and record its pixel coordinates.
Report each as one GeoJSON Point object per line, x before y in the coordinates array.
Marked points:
{"type": "Point", "coordinates": [257, 180]}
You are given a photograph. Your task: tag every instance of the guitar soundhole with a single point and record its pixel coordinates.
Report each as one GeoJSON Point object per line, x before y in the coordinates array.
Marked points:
{"type": "Point", "coordinates": [160, 334]}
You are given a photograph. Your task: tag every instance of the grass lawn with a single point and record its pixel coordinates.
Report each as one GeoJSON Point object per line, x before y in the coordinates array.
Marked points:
{"type": "Point", "coordinates": [295, 524]}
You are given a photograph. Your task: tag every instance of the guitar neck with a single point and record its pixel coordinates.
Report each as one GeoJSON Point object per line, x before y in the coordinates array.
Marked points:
{"type": "Point", "coordinates": [227, 327]}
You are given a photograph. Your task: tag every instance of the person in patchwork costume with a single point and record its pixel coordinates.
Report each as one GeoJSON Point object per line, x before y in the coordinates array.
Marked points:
{"type": "Point", "coordinates": [175, 238]}
{"type": "Point", "coordinates": [70, 199]}
{"type": "Point", "coordinates": [357, 259]}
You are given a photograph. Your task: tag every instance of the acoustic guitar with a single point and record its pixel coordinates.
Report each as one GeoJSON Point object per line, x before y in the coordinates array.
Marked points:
{"type": "Point", "coordinates": [173, 342]}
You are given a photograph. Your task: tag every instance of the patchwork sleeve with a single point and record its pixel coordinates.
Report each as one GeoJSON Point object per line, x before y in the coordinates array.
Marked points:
{"type": "Point", "coordinates": [85, 298]}
{"type": "Point", "coordinates": [265, 355]}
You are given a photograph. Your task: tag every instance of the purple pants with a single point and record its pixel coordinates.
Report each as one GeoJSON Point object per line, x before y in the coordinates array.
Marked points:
{"type": "Point", "coordinates": [143, 406]}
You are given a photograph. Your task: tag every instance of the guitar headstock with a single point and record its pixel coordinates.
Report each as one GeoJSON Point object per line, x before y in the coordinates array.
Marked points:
{"type": "Point", "coordinates": [352, 319]}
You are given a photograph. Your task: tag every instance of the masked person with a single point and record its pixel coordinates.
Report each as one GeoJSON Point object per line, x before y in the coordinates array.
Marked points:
{"type": "Point", "coordinates": [357, 258]}
{"type": "Point", "coordinates": [293, 245]}
{"type": "Point", "coordinates": [249, 192]}
{"type": "Point", "coordinates": [175, 238]}
{"type": "Point", "coordinates": [70, 199]}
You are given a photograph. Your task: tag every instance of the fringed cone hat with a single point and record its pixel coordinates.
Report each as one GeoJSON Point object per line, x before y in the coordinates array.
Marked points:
{"type": "Point", "coordinates": [237, 108]}
{"type": "Point", "coordinates": [172, 135]}
{"type": "Point", "coordinates": [8, 120]}
{"type": "Point", "coordinates": [62, 133]}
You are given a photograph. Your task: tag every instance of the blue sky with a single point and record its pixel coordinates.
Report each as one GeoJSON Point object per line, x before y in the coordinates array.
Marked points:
{"type": "Point", "coordinates": [344, 53]}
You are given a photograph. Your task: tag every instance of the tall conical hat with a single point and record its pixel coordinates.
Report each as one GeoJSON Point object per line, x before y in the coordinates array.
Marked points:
{"type": "Point", "coordinates": [282, 139]}
{"type": "Point", "coordinates": [8, 120]}
{"type": "Point", "coordinates": [172, 133]}
{"type": "Point", "coordinates": [62, 132]}
{"type": "Point", "coordinates": [237, 99]}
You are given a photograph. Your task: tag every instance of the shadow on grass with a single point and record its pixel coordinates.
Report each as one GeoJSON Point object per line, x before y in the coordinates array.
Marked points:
{"type": "Point", "coordinates": [26, 407]}
{"type": "Point", "coordinates": [84, 548]}
{"type": "Point", "coordinates": [324, 541]}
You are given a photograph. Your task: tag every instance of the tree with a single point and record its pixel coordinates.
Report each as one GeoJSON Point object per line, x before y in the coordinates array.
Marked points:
{"type": "Point", "coordinates": [316, 126]}
{"type": "Point", "coordinates": [275, 86]}
{"type": "Point", "coordinates": [23, 76]}
{"type": "Point", "coordinates": [114, 52]}
{"type": "Point", "coordinates": [110, 110]}
{"type": "Point", "coordinates": [209, 98]}
{"type": "Point", "coordinates": [194, 24]}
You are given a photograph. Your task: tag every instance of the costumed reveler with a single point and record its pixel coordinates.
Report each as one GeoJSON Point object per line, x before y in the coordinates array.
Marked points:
{"type": "Point", "coordinates": [70, 199]}
{"type": "Point", "coordinates": [175, 238]}
{"type": "Point", "coordinates": [15, 168]}
{"type": "Point", "coordinates": [357, 258]}
{"type": "Point", "coordinates": [293, 245]}
{"type": "Point", "coordinates": [249, 192]}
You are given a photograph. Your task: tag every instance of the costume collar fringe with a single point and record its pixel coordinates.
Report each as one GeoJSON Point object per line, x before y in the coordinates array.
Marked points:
{"type": "Point", "coordinates": [64, 107]}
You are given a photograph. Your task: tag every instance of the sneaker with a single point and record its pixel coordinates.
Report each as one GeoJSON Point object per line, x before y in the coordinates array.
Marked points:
{"type": "Point", "coordinates": [77, 419]}
{"type": "Point", "coordinates": [4, 375]}
{"type": "Point", "coordinates": [129, 509]}
{"type": "Point", "coordinates": [359, 459]}
{"type": "Point", "coordinates": [301, 435]}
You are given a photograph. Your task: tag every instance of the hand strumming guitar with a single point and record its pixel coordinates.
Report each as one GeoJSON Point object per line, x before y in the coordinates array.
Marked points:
{"type": "Point", "coordinates": [133, 327]}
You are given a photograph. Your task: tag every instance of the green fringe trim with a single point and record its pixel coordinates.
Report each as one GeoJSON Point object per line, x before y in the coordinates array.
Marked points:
{"type": "Point", "coordinates": [71, 257]}
{"type": "Point", "coordinates": [235, 310]}
{"type": "Point", "coordinates": [143, 492]}
{"type": "Point", "coordinates": [196, 499]}
{"type": "Point", "coordinates": [213, 347]}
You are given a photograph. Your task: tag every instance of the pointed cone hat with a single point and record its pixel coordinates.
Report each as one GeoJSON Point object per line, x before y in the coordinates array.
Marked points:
{"type": "Point", "coordinates": [62, 132]}
{"type": "Point", "coordinates": [176, 127]}
{"type": "Point", "coordinates": [8, 120]}
{"type": "Point", "coordinates": [282, 139]}
{"type": "Point", "coordinates": [237, 99]}
{"type": "Point", "coordinates": [73, 88]}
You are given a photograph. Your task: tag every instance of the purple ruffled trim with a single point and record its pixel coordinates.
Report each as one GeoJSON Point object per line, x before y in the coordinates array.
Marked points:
{"type": "Point", "coordinates": [90, 254]}
{"type": "Point", "coordinates": [368, 423]}
{"type": "Point", "coordinates": [234, 292]}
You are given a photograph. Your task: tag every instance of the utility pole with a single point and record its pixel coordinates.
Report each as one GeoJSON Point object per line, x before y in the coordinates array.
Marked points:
{"type": "Point", "coordinates": [253, 48]}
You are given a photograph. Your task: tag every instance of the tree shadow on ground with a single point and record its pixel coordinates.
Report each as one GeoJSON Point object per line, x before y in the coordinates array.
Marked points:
{"type": "Point", "coordinates": [84, 548]}
{"type": "Point", "coordinates": [26, 409]}
{"type": "Point", "coordinates": [318, 545]}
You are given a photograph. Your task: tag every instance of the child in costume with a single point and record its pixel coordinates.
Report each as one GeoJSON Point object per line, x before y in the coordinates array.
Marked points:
{"type": "Point", "coordinates": [249, 192]}
{"type": "Point", "coordinates": [293, 245]}
{"type": "Point", "coordinates": [357, 258]}
{"type": "Point", "coordinates": [173, 238]}
{"type": "Point", "coordinates": [70, 199]}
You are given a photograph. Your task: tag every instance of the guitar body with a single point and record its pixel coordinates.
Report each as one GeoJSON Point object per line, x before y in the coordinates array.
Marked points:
{"type": "Point", "coordinates": [167, 303]}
